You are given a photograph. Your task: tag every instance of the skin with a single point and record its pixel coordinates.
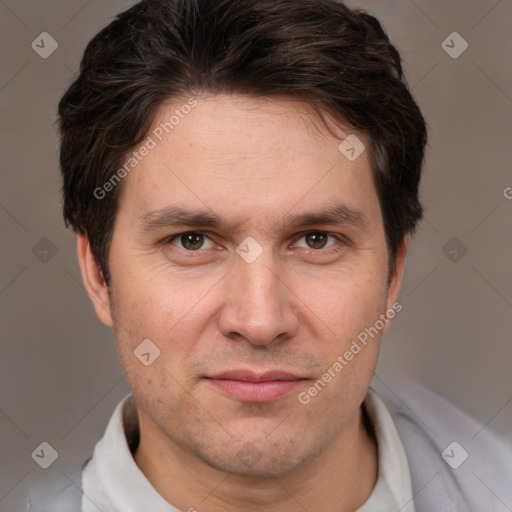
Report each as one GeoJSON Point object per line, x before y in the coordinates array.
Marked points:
{"type": "Point", "coordinates": [256, 163]}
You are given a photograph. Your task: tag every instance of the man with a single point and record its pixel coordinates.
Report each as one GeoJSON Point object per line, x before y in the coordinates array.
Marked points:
{"type": "Point", "coordinates": [243, 177]}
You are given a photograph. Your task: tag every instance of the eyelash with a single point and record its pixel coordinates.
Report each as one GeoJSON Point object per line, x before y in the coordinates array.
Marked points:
{"type": "Point", "coordinates": [329, 249]}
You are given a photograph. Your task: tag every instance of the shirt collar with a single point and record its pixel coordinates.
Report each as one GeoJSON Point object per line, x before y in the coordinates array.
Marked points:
{"type": "Point", "coordinates": [393, 490]}
{"type": "Point", "coordinates": [112, 481]}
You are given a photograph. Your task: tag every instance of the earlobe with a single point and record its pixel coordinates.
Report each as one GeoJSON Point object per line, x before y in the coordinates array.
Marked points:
{"type": "Point", "coordinates": [93, 281]}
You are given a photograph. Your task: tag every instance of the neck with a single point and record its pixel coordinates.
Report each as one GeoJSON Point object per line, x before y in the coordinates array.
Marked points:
{"type": "Point", "coordinates": [339, 479]}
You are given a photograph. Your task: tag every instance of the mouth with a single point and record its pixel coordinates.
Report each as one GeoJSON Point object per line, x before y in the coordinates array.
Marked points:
{"type": "Point", "coordinates": [248, 386]}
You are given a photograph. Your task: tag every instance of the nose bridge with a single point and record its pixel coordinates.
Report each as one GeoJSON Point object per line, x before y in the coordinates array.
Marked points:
{"type": "Point", "coordinates": [258, 303]}
{"type": "Point", "coordinates": [261, 285]}
{"type": "Point", "coordinates": [259, 289]}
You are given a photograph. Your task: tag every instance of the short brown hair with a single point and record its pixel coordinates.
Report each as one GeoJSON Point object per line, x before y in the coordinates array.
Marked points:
{"type": "Point", "coordinates": [338, 60]}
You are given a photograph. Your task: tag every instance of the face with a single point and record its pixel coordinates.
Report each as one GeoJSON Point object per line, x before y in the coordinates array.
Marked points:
{"type": "Point", "coordinates": [246, 242]}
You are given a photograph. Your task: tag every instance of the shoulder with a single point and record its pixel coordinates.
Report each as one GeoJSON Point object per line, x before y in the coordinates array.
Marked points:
{"type": "Point", "coordinates": [68, 499]}
{"type": "Point", "coordinates": [455, 462]}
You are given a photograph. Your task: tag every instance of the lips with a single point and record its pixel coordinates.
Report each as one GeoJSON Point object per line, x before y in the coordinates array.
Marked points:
{"type": "Point", "coordinates": [250, 386]}
{"type": "Point", "coordinates": [249, 376]}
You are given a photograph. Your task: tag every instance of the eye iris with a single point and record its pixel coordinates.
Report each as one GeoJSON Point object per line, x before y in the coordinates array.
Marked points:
{"type": "Point", "coordinates": [192, 241]}
{"type": "Point", "coordinates": [316, 240]}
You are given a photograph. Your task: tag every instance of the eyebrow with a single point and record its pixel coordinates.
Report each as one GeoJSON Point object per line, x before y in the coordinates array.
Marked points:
{"type": "Point", "coordinates": [174, 216]}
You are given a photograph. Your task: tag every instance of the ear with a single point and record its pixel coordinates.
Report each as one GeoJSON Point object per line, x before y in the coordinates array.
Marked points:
{"type": "Point", "coordinates": [93, 281]}
{"type": "Point", "coordinates": [395, 281]}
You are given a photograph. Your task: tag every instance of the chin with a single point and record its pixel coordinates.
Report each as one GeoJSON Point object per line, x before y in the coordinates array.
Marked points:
{"type": "Point", "coordinates": [248, 460]}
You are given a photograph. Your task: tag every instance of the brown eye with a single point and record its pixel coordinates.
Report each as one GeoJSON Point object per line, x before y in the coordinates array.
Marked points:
{"type": "Point", "coordinates": [192, 241]}
{"type": "Point", "coordinates": [316, 240]}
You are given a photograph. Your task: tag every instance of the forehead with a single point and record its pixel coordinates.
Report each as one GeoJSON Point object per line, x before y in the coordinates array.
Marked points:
{"type": "Point", "coordinates": [220, 151]}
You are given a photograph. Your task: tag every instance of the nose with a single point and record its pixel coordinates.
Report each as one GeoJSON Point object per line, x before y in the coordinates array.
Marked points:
{"type": "Point", "coordinates": [259, 304]}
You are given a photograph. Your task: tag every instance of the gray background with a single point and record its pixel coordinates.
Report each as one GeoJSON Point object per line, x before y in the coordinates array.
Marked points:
{"type": "Point", "coordinates": [60, 378]}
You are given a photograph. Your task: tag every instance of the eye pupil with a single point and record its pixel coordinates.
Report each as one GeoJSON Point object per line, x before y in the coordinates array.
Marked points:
{"type": "Point", "coordinates": [316, 240]}
{"type": "Point", "coordinates": [192, 241]}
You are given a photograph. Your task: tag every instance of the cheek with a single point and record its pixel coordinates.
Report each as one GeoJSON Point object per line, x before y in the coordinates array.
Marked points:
{"type": "Point", "coordinates": [170, 313]}
{"type": "Point", "coordinates": [347, 302]}
{"type": "Point", "coordinates": [156, 302]}
{"type": "Point", "coordinates": [351, 346]}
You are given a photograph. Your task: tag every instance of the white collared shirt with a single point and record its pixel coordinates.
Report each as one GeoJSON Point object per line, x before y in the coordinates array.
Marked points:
{"type": "Point", "coordinates": [393, 490]}
{"type": "Point", "coordinates": [112, 481]}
